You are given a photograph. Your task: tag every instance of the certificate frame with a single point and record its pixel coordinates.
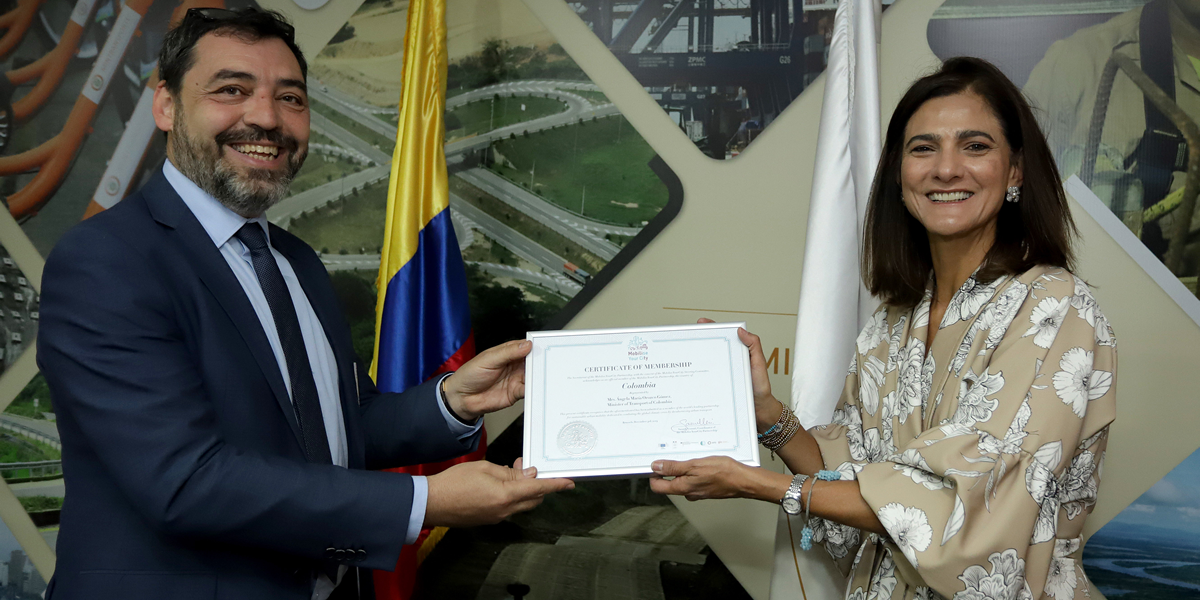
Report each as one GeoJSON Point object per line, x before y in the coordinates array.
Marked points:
{"type": "Point", "coordinates": [577, 437]}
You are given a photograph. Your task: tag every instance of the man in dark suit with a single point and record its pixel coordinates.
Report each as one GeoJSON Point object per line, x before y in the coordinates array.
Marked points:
{"type": "Point", "coordinates": [216, 428]}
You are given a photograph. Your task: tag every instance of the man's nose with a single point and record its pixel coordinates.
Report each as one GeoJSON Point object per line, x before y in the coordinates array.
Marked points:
{"type": "Point", "coordinates": [262, 111]}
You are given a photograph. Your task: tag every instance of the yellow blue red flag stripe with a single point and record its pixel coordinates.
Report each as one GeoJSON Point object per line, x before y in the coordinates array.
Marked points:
{"type": "Point", "coordinates": [422, 320]}
{"type": "Point", "coordinates": [423, 324]}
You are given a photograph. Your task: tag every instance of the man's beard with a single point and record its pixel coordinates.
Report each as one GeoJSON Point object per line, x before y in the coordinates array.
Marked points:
{"type": "Point", "coordinates": [249, 193]}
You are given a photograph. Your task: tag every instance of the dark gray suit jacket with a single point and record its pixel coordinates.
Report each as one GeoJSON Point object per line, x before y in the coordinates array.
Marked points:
{"type": "Point", "coordinates": [184, 471]}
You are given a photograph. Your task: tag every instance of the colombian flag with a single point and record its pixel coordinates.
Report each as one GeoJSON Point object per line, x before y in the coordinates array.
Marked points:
{"type": "Point", "coordinates": [422, 322]}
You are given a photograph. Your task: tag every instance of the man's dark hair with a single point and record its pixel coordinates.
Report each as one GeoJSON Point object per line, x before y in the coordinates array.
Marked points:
{"type": "Point", "coordinates": [1037, 230]}
{"type": "Point", "coordinates": [177, 55]}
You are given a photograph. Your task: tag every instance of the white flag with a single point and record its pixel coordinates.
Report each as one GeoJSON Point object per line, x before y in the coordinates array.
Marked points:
{"type": "Point", "coordinates": [834, 305]}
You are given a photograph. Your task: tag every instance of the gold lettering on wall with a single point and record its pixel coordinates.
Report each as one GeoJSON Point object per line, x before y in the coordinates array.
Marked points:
{"type": "Point", "coordinates": [773, 361]}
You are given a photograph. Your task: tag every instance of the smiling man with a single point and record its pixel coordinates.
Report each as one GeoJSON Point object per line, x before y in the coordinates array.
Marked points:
{"type": "Point", "coordinates": [238, 119]}
{"type": "Point", "coordinates": [216, 427]}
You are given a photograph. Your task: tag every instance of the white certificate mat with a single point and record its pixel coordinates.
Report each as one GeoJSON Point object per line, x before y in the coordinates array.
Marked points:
{"type": "Point", "coordinates": [608, 402]}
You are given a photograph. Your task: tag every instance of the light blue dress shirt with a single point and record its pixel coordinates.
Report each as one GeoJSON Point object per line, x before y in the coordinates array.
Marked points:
{"type": "Point", "coordinates": [221, 224]}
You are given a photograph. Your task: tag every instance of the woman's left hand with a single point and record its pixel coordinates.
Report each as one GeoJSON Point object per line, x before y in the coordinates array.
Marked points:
{"type": "Point", "coordinates": [706, 478]}
{"type": "Point", "coordinates": [761, 383]}
{"type": "Point", "coordinates": [766, 407]}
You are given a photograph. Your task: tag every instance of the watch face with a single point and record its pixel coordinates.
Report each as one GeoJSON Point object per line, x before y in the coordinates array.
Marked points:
{"type": "Point", "coordinates": [791, 506]}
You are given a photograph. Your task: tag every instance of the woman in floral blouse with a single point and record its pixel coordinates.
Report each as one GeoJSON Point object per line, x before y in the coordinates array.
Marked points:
{"type": "Point", "coordinates": [967, 454]}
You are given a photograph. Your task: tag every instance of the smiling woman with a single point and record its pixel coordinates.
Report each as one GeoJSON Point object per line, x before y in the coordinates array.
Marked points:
{"type": "Point", "coordinates": [953, 177]}
{"type": "Point", "coordinates": [967, 135]}
{"type": "Point", "coordinates": [964, 454]}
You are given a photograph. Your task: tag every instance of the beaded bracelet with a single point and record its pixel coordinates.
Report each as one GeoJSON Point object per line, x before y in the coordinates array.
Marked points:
{"type": "Point", "coordinates": [806, 535]}
{"type": "Point", "coordinates": [787, 425]}
{"type": "Point", "coordinates": [778, 424]}
{"type": "Point", "coordinates": [770, 430]}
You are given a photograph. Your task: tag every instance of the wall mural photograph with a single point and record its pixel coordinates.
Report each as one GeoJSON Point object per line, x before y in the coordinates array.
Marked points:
{"type": "Point", "coordinates": [1150, 550]}
{"type": "Point", "coordinates": [30, 451]}
{"type": "Point", "coordinates": [19, 579]}
{"type": "Point", "coordinates": [722, 69]}
{"type": "Point", "coordinates": [18, 311]}
{"type": "Point", "coordinates": [1134, 155]}
{"type": "Point", "coordinates": [548, 181]}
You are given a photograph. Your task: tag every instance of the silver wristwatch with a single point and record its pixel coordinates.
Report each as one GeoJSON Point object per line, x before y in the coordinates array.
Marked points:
{"type": "Point", "coordinates": [791, 498]}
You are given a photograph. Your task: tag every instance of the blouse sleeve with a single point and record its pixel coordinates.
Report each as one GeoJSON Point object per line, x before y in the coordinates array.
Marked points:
{"type": "Point", "coordinates": [834, 439]}
{"type": "Point", "coordinates": [997, 493]}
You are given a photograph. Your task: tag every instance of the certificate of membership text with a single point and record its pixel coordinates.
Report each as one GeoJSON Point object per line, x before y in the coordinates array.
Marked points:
{"type": "Point", "coordinates": [609, 402]}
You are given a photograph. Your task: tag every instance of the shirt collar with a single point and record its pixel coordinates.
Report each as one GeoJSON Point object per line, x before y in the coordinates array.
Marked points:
{"type": "Point", "coordinates": [218, 221]}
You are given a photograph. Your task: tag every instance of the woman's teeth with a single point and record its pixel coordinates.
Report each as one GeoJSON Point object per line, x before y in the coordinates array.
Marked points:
{"type": "Point", "coordinates": [264, 152]}
{"type": "Point", "coordinates": [949, 196]}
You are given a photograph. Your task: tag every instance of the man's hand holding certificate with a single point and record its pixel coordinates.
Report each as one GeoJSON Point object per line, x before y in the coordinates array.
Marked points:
{"type": "Point", "coordinates": [609, 402]}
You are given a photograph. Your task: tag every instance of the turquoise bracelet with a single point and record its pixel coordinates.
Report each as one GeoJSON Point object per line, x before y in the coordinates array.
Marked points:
{"type": "Point", "coordinates": [768, 432]}
{"type": "Point", "coordinates": [806, 535]}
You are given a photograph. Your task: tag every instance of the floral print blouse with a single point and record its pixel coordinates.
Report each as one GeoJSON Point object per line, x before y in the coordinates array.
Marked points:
{"type": "Point", "coordinates": [981, 456]}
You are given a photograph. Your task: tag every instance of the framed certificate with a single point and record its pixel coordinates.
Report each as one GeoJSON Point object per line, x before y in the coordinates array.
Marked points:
{"type": "Point", "coordinates": [608, 402]}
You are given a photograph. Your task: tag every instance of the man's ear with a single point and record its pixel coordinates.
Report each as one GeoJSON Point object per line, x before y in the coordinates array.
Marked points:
{"type": "Point", "coordinates": [164, 107]}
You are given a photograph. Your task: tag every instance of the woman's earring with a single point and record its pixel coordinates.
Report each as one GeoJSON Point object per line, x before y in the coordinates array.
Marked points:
{"type": "Point", "coordinates": [1013, 194]}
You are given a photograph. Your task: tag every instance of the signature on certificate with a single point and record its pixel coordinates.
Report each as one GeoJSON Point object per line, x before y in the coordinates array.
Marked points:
{"type": "Point", "coordinates": [700, 425]}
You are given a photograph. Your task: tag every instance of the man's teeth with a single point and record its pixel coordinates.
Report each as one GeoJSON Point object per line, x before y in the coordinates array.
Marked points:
{"type": "Point", "coordinates": [949, 196]}
{"type": "Point", "coordinates": [269, 151]}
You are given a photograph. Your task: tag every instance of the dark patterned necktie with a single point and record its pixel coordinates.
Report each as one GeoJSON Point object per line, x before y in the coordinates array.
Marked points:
{"type": "Point", "coordinates": [305, 401]}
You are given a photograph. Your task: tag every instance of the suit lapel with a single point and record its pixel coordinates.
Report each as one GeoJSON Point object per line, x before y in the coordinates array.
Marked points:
{"type": "Point", "coordinates": [315, 282]}
{"type": "Point", "coordinates": [168, 208]}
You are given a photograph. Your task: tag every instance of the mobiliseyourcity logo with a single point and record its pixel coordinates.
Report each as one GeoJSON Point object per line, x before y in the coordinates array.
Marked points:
{"type": "Point", "coordinates": [638, 349]}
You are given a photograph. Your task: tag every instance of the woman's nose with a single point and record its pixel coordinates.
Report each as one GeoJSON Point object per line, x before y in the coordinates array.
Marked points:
{"type": "Point", "coordinates": [948, 167]}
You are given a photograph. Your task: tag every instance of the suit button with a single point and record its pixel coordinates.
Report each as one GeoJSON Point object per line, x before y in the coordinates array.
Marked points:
{"type": "Point", "coordinates": [362, 555]}
{"type": "Point", "coordinates": [340, 555]}
{"type": "Point", "coordinates": [330, 553]}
